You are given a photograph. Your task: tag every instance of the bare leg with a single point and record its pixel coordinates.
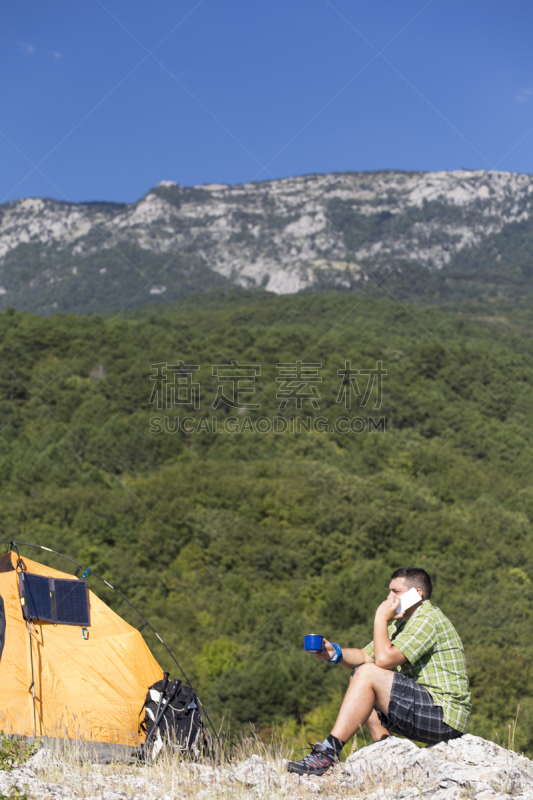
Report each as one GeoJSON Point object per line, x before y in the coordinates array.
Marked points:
{"type": "Point", "coordinates": [369, 687]}
{"type": "Point", "coordinates": [375, 728]}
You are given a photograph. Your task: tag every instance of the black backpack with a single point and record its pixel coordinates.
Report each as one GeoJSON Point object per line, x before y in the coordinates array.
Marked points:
{"type": "Point", "coordinates": [172, 719]}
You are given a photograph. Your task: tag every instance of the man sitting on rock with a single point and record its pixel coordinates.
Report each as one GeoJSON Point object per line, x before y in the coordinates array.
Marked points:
{"type": "Point", "coordinates": [411, 679]}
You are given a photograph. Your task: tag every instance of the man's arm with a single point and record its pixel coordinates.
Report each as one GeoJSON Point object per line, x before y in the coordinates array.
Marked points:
{"type": "Point", "coordinates": [351, 656]}
{"type": "Point", "coordinates": [386, 655]}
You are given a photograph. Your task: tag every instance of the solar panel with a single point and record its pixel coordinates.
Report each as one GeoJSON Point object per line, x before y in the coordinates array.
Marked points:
{"type": "Point", "coordinates": [72, 602]}
{"type": "Point", "coordinates": [64, 602]}
{"type": "Point", "coordinates": [35, 591]}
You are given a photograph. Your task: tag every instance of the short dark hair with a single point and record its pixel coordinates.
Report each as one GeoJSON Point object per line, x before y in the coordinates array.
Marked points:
{"type": "Point", "coordinates": [417, 577]}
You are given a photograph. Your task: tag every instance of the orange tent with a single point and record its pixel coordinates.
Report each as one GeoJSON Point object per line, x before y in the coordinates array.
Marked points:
{"type": "Point", "coordinates": [90, 689]}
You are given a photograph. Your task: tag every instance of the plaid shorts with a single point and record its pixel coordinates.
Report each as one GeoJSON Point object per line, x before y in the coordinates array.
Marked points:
{"type": "Point", "coordinates": [413, 714]}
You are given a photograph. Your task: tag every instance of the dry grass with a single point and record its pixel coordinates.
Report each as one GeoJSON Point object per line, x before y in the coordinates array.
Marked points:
{"type": "Point", "coordinates": [257, 770]}
{"type": "Point", "coordinates": [173, 776]}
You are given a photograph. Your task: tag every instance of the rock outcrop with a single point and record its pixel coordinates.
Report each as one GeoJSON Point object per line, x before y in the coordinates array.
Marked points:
{"type": "Point", "coordinates": [469, 767]}
{"type": "Point", "coordinates": [465, 767]}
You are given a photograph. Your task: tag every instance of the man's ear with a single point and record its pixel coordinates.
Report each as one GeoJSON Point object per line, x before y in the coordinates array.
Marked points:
{"type": "Point", "coordinates": [420, 592]}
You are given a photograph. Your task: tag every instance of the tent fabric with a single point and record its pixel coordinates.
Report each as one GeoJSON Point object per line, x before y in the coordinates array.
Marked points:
{"type": "Point", "coordinates": [87, 689]}
{"type": "Point", "coordinates": [2, 626]}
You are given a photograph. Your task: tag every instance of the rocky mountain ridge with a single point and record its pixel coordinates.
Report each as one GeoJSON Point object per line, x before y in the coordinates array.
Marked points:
{"type": "Point", "coordinates": [285, 236]}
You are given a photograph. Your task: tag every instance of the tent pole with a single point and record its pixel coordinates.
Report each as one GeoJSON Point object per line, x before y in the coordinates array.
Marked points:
{"type": "Point", "coordinates": [32, 687]}
{"type": "Point", "coordinates": [32, 684]}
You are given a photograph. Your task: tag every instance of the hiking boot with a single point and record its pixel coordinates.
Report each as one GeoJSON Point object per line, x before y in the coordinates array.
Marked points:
{"type": "Point", "coordinates": [319, 760]}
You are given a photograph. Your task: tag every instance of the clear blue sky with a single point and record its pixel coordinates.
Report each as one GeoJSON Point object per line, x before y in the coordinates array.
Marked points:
{"type": "Point", "coordinates": [232, 86]}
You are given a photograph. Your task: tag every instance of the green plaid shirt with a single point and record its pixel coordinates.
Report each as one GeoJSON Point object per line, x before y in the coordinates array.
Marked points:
{"type": "Point", "coordinates": [435, 659]}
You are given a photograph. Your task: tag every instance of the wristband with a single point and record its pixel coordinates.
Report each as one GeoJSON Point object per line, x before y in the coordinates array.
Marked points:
{"type": "Point", "coordinates": [338, 654]}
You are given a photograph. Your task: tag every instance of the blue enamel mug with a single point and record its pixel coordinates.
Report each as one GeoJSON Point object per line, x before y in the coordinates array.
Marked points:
{"type": "Point", "coordinates": [313, 643]}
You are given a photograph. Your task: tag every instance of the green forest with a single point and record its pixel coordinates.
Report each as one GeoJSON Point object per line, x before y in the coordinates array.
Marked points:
{"type": "Point", "coordinates": [236, 544]}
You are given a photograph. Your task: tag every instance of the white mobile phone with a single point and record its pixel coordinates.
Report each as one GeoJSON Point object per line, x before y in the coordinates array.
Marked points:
{"type": "Point", "coordinates": [410, 598]}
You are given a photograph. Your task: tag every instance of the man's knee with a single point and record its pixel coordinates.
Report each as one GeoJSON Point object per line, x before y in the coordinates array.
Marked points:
{"type": "Point", "coordinates": [364, 672]}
